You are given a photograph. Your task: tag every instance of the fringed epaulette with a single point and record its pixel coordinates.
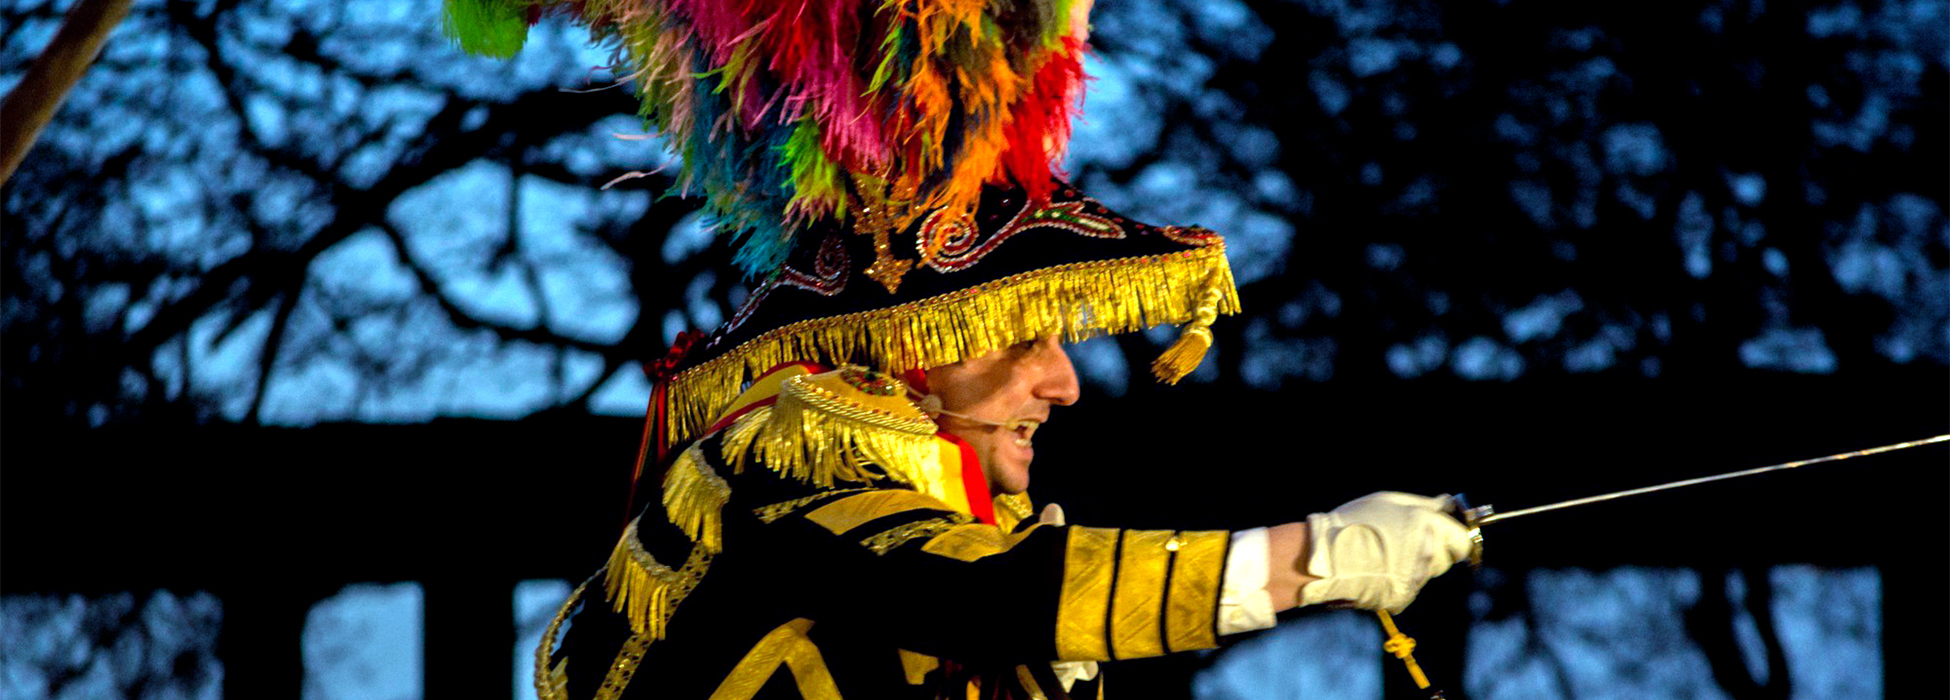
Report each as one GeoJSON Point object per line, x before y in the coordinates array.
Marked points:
{"type": "Point", "coordinates": [694, 498]}
{"type": "Point", "coordinates": [645, 591]}
{"type": "Point", "coordinates": [850, 426]}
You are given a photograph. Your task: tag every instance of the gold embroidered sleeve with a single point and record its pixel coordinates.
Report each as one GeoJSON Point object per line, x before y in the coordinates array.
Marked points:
{"type": "Point", "coordinates": [1135, 624]}
{"type": "Point", "coordinates": [1089, 565]}
{"type": "Point", "coordinates": [1192, 607]}
{"type": "Point", "coordinates": [1135, 593]}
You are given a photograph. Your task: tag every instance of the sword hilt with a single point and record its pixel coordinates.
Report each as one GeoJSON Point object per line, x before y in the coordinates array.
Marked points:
{"type": "Point", "coordinates": [1472, 517]}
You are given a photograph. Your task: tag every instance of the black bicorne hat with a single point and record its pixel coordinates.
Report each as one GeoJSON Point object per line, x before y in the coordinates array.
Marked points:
{"type": "Point", "coordinates": [862, 164]}
{"type": "Point", "coordinates": [1022, 267]}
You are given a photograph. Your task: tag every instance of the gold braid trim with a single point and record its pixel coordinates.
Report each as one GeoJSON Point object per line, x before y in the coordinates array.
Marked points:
{"type": "Point", "coordinates": [552, 683]}
{"type": "Point", "coordinates": [771, 513]}
{"type": "Point", "coordinates": [645, 591]}
{"type": "Point", "coordinates": [787, 646]}
{"type": "Point", "coordinates": [888, 540]}
{"type": "Point", "coordinates": [694, 498]}
{"type": "Point", "coordinates": [621, 670]}
{"type": "Point", "coordinates": [1075, 301]}
{"type": "Point", "coordinates": [816, 436]}
{"type": "Point", "coordinates": [1011, 509]}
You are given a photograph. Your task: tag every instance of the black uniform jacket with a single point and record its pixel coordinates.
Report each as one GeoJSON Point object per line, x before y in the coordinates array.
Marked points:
{"type": "Point", "coordinates": [868, 590]}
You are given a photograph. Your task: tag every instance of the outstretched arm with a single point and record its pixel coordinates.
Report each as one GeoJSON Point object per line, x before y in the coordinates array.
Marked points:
{"type": "Point", "coordinates": [1287, 547]}
{"type": "Point", "coordinates": [1374, 552]}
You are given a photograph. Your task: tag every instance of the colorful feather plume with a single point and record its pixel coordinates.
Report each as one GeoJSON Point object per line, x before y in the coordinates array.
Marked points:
{"type": "Point", "coordinates": [790, 112]}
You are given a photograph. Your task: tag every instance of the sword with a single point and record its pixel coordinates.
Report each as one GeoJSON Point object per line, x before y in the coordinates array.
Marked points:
{"type": "Point", "coordinates": [1479, 516]}
{"type": "Point", "coordinates": [1402, 646]}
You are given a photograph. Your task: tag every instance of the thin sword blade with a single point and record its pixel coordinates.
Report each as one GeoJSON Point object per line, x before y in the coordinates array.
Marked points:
{"type": "Point", "coordinates": [1499, 517]}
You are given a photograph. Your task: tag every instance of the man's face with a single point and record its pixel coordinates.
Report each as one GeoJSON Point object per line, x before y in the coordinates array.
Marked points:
{"type": "Point", "coordinates": [1015, 386]}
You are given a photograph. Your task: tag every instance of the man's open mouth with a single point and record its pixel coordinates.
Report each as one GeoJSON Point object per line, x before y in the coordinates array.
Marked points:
{"type": "Point", "coordinates": [1025, 430]}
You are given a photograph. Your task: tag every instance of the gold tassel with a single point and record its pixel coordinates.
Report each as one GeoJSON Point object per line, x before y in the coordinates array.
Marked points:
{"type": "Point", "coordinates": [1193, 341]}
{"type": "Point", "coordinates": [815, 436]}
{"type": "Point", "coordinates": [1075, 301]}
{"type": "Point", "coordinates": [645, 591]}
{"type": "Point", "coordinates": [694, 499]}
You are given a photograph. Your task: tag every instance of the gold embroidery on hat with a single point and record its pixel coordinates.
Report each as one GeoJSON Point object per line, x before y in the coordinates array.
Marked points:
{"type": "Point", "coordinates": [1073, 302]}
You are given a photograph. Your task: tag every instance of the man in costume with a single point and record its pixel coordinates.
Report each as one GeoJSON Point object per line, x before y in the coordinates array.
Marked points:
{"type": "Point", "coordinates": [843, 464]}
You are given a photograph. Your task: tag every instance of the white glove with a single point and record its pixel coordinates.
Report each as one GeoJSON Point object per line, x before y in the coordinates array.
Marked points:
{"type": "Point", "coordinates": [1376, 551]}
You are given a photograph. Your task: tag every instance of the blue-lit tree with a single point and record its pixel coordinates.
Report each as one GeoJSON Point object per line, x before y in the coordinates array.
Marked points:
{"type": "Point", "coordinates": [287, 212]}
{"type": "Point", "coordinates": [284, 213]}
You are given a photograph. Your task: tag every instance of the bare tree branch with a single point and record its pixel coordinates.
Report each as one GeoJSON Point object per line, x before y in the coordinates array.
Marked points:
{"type": "Point", "coordinates": [267, 358]}
{"type": "Point", "coordinates": [1534, 640]}
{"type": "Point", "coordinates": [441, 147]}
{"type": "Point", "coordinates": [540, 335]}
{"type": "Point", "coordinates": [1711, 623]}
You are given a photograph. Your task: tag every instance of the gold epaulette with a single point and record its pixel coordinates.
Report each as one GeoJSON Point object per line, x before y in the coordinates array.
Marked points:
{"type": "Point", "coordinates": [849, 426]}
{"type": "Point", "coordinates": [645, 591]}
{"type": "Point", "coordinates": [694, 498]}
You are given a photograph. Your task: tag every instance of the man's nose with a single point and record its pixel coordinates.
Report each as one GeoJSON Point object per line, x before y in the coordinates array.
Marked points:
{"type": "Point", "coordinates": [1058, 383]}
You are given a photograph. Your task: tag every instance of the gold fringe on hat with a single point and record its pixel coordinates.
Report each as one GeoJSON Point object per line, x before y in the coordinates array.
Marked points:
{"type": "Point", "coordinates": [1075, 301]}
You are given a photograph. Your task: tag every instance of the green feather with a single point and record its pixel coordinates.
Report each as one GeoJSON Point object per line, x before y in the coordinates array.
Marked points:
{"type": "Point", "coordinates": [495, 28]}
{"type": "Point", "coordinates": [1056, 24]}
{"type": "Point", "coordinates": [890, 49]}
{"type": "Point", "coordinates": [815, 177]}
